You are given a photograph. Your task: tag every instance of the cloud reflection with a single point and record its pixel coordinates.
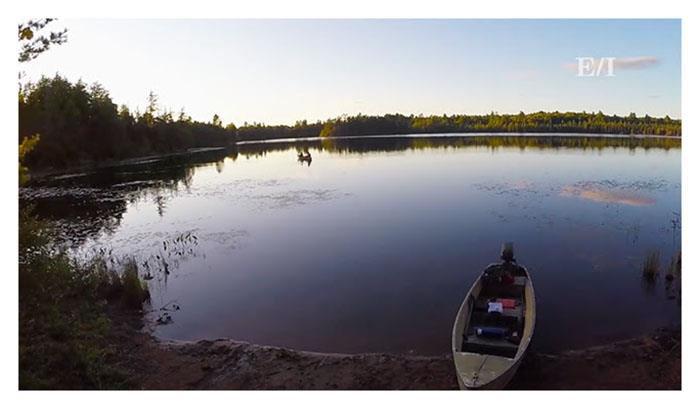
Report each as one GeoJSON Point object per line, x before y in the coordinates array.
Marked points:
{"type": "Point", "coordinates": [599, 195]}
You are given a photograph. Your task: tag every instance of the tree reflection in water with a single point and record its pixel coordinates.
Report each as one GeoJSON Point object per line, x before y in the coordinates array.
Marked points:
{"type": "Point", "coordinates": [99, 198]}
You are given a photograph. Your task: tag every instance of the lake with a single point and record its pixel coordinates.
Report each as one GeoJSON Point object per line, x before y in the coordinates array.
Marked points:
{"type": "Point", "coordinates": [372, 245]}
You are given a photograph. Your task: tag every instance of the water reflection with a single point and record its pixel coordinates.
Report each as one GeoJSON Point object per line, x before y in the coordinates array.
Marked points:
{"type": "Point", "coordinates": [394, 144]}
{"type": "Point", "coordinates": [98, 198]}
{"type": "Point", "coordinates": [606, 196]}
{"type": "Point", "coordinates": [92, 203]}
{"type": "Point", "coordinates": [373, 247]}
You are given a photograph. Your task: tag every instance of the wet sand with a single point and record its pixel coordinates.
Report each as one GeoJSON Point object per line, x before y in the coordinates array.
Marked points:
{"type": "Point", "coordinates": [648, 362]}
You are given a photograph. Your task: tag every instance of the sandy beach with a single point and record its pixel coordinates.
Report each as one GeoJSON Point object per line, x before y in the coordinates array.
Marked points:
{"type": "Point", "coordinates": [650, 362]}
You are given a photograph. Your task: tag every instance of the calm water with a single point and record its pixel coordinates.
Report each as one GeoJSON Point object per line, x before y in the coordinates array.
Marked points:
{"type": "Point", "coordinates": [372, 246]}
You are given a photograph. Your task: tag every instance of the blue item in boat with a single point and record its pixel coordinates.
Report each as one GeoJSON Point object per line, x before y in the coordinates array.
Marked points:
{"type": "Point", "coordinates": [491, 332]}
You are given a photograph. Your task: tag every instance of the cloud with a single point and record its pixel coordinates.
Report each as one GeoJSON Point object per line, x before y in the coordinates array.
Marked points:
{"type": "Point", "coordinates": [635, 62]}
{"type": "Point", "coordinates": [622, 63]}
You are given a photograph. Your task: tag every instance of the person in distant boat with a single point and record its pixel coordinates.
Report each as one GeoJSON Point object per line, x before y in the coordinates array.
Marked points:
{"type": "Point", "coordinates": [304, 156]}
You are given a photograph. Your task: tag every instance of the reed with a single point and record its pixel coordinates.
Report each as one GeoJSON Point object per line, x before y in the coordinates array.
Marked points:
{"type": "Point", "coordinates": [134, 291]}
{"type": "Point", "coordinates": [651, 266]}
{"type": "Point", "coordinates": [674, 268]}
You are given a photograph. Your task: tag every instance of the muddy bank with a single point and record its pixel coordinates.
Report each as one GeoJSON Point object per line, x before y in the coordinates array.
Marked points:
{"type": "Point", "coordinates": [644, 363]}
{"type": "Point", "coordinates": [649, 362]}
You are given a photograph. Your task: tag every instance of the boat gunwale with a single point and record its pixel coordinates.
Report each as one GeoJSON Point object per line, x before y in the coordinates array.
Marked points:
{"type": "Point", "coordinates": [522, 346]}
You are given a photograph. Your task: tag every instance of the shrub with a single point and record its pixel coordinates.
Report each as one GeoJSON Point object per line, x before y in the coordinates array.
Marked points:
{"type": "Point", "coordinates": [63, 324]}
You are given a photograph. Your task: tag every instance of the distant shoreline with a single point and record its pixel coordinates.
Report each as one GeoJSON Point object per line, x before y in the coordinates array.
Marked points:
{"type": "Point", "coordinates": [136, 160]}
{"type": "Point", "coordinates": [459, 135]}
{"type": "Point", "coordinates": [88, 167]}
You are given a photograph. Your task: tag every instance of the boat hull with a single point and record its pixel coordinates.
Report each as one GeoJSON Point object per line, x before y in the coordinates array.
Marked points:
{"type": "Point", "coordinates": [481, 371]}
{"type": "Point", "coordinates": [497, 384]}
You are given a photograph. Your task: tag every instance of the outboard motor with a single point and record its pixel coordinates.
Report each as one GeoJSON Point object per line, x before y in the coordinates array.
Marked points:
{"type": "Point", "coordinates": [507, 252]}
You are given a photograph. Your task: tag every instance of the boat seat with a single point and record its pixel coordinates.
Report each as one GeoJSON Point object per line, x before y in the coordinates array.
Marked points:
{"type": "Point", "coordinates": [497, 290]}
{"type": "Point", "coordinates": [480, 318]}
{"type": "Point", "coordinates": [519, 280]}
{"type": "Point", "coordinates": [481, 305]}
{"type": "Point", "coordinates": [489, 346]}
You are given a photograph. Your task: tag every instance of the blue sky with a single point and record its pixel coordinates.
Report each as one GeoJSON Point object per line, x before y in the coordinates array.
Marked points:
{"type": "Point", "coordinates": [279, 71]}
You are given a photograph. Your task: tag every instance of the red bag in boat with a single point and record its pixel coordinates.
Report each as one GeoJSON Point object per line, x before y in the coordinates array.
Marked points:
{"type": "Point", "coordinates": [507, 302]}
{"type": "Point", "coordinates": [507, 279]}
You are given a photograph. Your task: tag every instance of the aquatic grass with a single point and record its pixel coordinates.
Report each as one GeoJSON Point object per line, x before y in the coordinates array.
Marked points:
{"type": "Point", "coordinates": [134, 291]}
{"type": "Point", "coordinates": [651, 266]}
{"type": "Point", "coordinates": [118, 282]}
{"type": "Point", "coordinates": [673, 289]}
{"type": "Point", "coordinates": [675, 267]}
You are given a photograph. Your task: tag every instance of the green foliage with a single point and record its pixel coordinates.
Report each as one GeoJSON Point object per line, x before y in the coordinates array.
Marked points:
{"type": "Point", "coordinates": [328, 129]}
{"type": "Point", "coordinates": [33, 41]}
{"type": "Point", "coordinates": [63, 326]}
{"type": "Point", "coordinates": [395, 124]}
{"type": "Point", "coordinates": [257, 131]}
{"type": "Point", "coordinates": [80, 124]}
{"type": "Point", "coordinates": [125, 287]}
{"type": "Point", "coordinates": [134, 290]}
{"type": "Point", "coordinates": [27, 145]}
{"type": "Point", "coordinates": [563, 122]}
{"type": "Point", "coordinates": [149, 117]}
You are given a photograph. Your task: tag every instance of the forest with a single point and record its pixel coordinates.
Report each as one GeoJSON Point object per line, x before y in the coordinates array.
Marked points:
{"type": "Point", "coordinates": [79, 124]}
{"type": "Point", "coordinates": [549, 122]}
{"type": "Point", "coordinates": [73, 124]}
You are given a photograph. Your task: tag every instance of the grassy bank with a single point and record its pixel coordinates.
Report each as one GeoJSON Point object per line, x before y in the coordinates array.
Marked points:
{"type": "Point", "coordinates": [64, 325]}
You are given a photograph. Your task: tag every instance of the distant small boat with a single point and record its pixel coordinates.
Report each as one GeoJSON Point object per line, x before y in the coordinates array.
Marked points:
{"type": "Point", "coordinates": [494, 325]}
{"type": "Point", "coordinates": [304, 157]}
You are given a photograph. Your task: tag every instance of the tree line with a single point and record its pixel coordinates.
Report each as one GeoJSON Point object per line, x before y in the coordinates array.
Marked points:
{"type": "Point", "coordinates": [79, 124]}
{"type": "Point", "coordinates": [547, 122]}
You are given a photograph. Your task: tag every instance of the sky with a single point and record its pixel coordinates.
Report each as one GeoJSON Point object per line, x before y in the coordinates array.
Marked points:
{"type": "Point", "coordinates": [281, 71]}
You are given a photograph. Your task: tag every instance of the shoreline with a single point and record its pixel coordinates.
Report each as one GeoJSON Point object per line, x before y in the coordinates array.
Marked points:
{"type": "Point", "coordinates": [459, 135]}
{"type": "Point", "coordinates": [649, 362]}
{"type": "Point", "coordinates": [87, 168]}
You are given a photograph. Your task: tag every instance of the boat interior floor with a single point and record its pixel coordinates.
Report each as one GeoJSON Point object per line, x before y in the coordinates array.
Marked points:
{"type": "Point", "coordinates": [509, 324]}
